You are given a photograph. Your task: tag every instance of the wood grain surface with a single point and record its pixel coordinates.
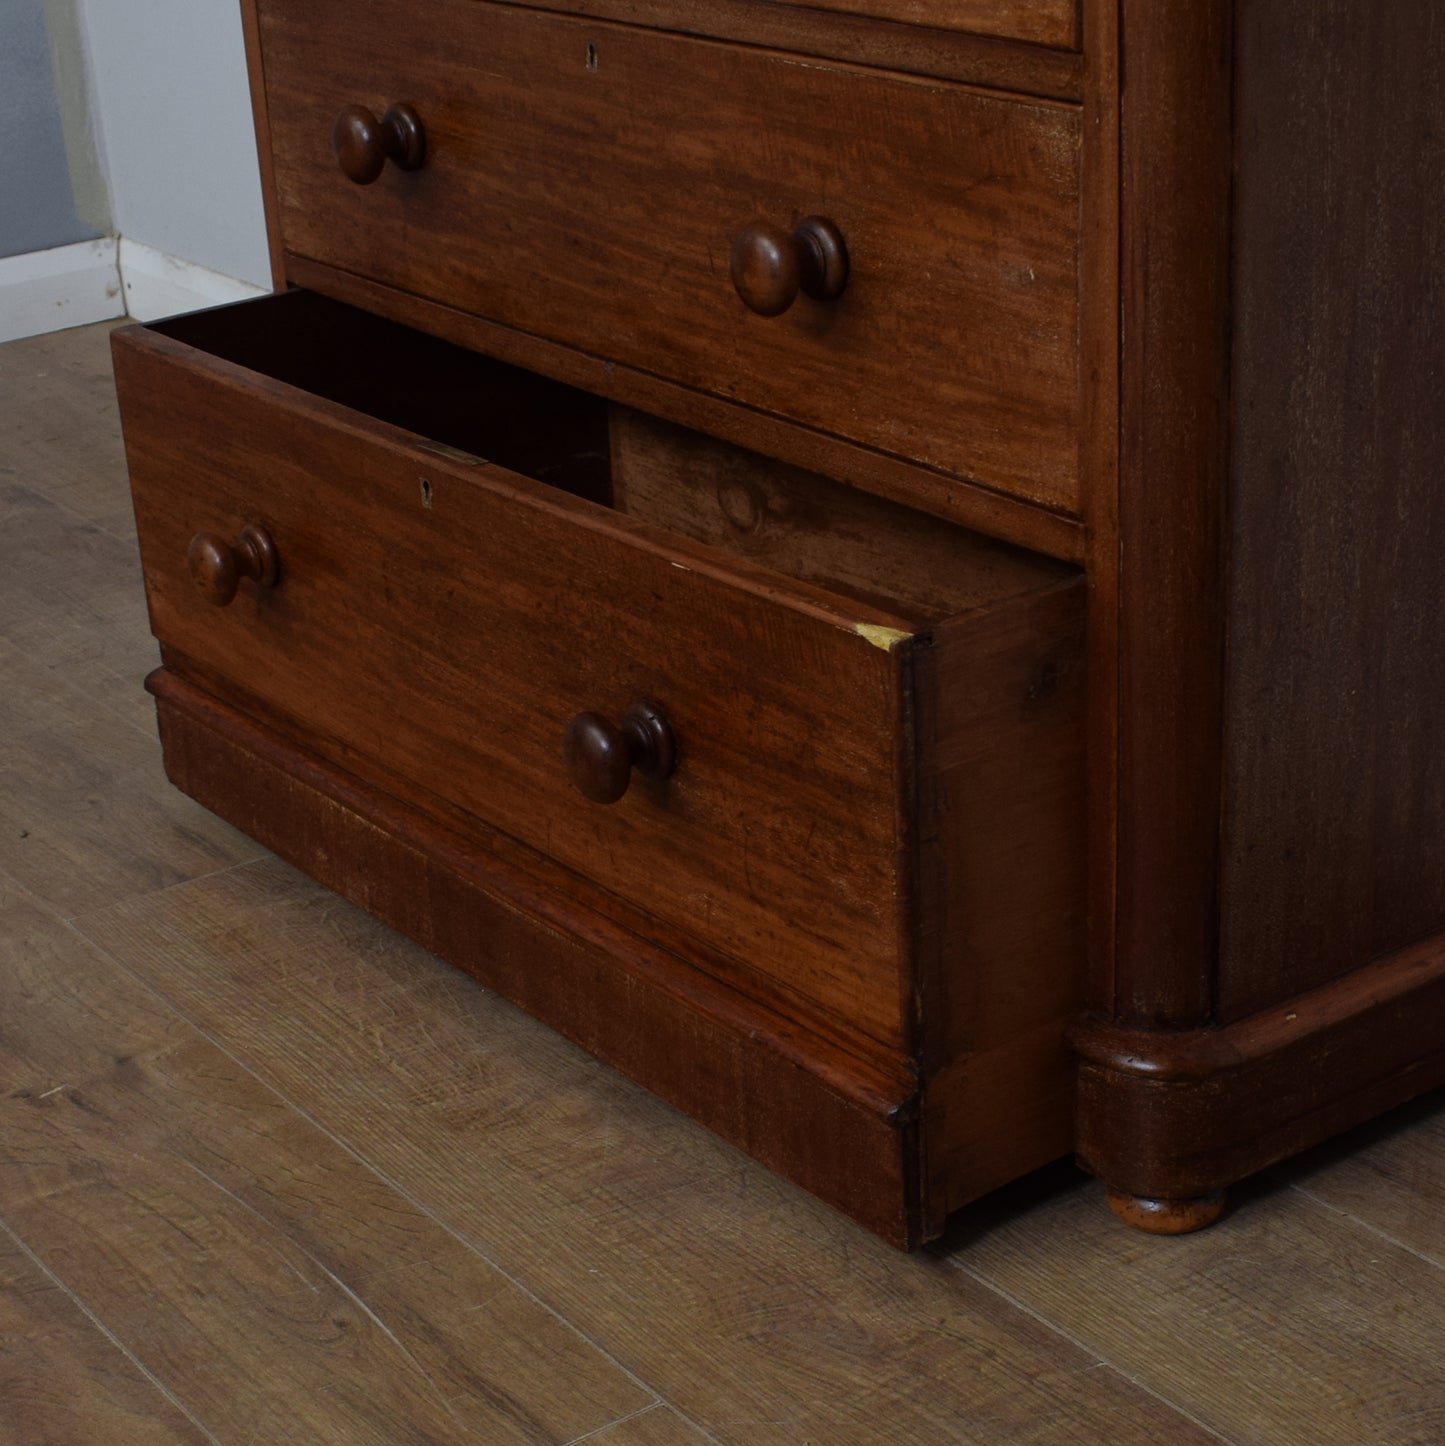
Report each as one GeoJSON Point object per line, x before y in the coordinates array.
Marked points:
{"type": "Point", "coordinates": [1388, 1175]}
{"type": "Point", "coordinates": [1284, 1299]}
{"type": "Point", "coordinates": [978, 58]}
{"type": "Point", "coordinates": [237, 1220]}
{"type": "Point", "coordinates": [1334, 836]}
{"type": "Point", "coordinates": [970, 504]}
{"type": "Point", "coordinates": [256, 76]}
{"type": "Point", "coordinates": [598, 206]}
{"type": "Point", "coordinates": [63, 1377]}
{"type": "Point", "coordinates": [1051, 22]}
{"type": "Point", "coordinates": [786, 837]}
{"type": "Point", "coordinates": [810, 527]}
{"type": "Point", "coordinates": [85, 815]}
{"type": "Point", "coordinates": [60, 429]}
{"type": "Point", "coordinates": [656, 1426]}
{"type": "Point", "coordinates": [77, 610]}
{"type": "Point", "coordinates": [1174, 179]}
{"type": "Point", "coordinates": [1176, 1115]}
{"type": "Point", "coordinates": [1100, 346]}
{"type": "Point", "coordinates": [999, 702]}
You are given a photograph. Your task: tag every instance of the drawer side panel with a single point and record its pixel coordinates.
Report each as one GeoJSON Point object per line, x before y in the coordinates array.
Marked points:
{"type": "Point", "coordinates": [1001, 892]}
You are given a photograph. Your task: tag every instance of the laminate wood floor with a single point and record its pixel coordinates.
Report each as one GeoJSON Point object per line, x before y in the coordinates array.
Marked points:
{"type": "Point", "coordinates": [269, 1173]}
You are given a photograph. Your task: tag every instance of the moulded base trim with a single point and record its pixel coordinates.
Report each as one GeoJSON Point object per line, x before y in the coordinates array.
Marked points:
{"type": "Point", "coordinates": [801, 1106]}
{"type": "Point", "coordinates": [1177, 1116]}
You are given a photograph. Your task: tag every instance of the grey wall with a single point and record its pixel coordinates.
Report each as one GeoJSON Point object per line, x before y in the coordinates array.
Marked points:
{"type": "Point", "coordinates": [174, 107]}
{"type": "Point", "coordinates": [130, 117]}
{"type": "Point", "coordinates": [38, 206]}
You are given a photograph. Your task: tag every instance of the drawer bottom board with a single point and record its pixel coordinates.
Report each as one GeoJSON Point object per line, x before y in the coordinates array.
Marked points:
{"type": "Point", "coordinates": [814, 1114]}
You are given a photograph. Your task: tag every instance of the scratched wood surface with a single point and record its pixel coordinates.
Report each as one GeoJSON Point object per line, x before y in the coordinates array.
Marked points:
{"type": "Point", "coordinates": [236, 1111]}
{"type": "Point", "coordinates": [62, 1376]}
{"type": "Point", "coordinates": [1325, 1325]}
{"type": "Point", "coordinates": [209, 1222]}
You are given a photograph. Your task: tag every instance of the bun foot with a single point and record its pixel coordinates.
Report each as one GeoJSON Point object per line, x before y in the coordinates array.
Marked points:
{"type": "Point", "coordinates": [1167, 1217]}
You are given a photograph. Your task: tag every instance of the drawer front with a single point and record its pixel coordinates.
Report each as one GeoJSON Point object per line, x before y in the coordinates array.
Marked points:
{"type": "Point", "coordinates": [1046, 22]}
{"type": "Point", "coordinates": [586, 183]}
{"type": "Point", "coordinates": [434, 626]}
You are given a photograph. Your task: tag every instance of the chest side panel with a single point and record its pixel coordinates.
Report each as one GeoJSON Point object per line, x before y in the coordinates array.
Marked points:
{"type": "Point", "coordinates": [1334, 837]}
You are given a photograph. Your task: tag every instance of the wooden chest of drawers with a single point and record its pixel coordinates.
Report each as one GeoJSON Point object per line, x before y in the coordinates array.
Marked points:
{"type": "Point", "coordinates": [755, 539]}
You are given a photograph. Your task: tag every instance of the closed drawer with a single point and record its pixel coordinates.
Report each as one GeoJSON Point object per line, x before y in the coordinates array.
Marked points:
{"type": "Point", "coordinates": [587, 183]}
{"type": "Point", "coordinates": [434, 622]}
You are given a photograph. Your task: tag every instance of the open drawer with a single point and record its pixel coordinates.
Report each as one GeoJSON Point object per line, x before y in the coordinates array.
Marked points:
{"type": "Point", "coordinates": [845, 761]}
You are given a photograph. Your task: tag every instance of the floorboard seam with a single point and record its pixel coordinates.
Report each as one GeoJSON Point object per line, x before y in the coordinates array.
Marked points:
{"type": "Point", "coordinates": [630, 1416]}
{"type": "Point", "coordinates": [72, 921]}
{"type": "Point", "coordinates": [106, 1331]}
{"type": "Point", "coordinates": [1090, 1351]}
{"type": "Point", "coordinates": [1368, 1227]}
{"type": "Point", "coordinates": [381, 1174]}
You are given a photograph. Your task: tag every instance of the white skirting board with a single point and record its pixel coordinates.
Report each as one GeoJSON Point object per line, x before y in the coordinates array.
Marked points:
{"type": "Point", "coordinates": [67, 286]}
{"type": "Point", "coordinates": [158, 285]}
{"type": "Point", "coordinates": [99, 280]}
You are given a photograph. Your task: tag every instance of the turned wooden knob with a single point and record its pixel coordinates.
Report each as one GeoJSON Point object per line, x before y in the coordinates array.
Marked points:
{"type": "Point", "coordinates": [770, 267]}
{"type": "Point", "coordinates": [217, 566]}
{"type": "Point", "coordinates": [364, 145]}
{"type": "Point", "coordinates": [601, 756]}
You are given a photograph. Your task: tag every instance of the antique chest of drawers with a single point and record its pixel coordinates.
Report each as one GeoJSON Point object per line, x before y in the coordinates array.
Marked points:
{"type": "Point", "coordinates": [876, 574]}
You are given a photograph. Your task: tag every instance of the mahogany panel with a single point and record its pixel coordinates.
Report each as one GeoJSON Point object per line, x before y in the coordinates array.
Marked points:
{"type": "Point", "coordinates": [1334, 835]}
{"type": "Point", "coordinates": [1100, 356]}
{"type": "Point", "coordinates": [873, 800]}
{"type": "Point", "coordinates": [256, 78]}
{"type": "Point", "coordinates": [1175, 179]}
{"type": "Point", "coordinates": [810, 527]}
{"type": "Point", "coordinates": [1000, 822]}
{"type": "Point", "coordinates": [1049, 22]}
{"type": "Point", "coordinates": [999, 778]}
{"type": "Point", "coordinates": [585, 182]}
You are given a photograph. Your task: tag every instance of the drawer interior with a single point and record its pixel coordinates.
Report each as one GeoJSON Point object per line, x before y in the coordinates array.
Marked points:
{"type": "Point", "coordinates": [459, 398]}
{"type": "Point", "coordinates": [919, 568]}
